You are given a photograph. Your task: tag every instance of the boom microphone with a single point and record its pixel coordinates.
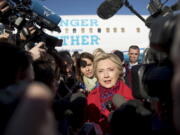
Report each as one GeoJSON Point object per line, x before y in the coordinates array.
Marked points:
{"type": "Point", "coordinates": [108, 8]}
{"type": "Point", "coordinates": [176, 6]}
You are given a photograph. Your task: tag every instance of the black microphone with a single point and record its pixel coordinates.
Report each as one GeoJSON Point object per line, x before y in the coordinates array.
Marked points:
{"type": "Point", "coordinates": [176, 6]}
{"type": "Point", "coordinates": [108, 8]}
{"type": "Point", "coordinates": [118, 100]}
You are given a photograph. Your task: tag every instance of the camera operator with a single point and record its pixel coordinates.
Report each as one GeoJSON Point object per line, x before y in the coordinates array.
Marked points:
{"type": "Point", "coordinates": [155, 79]}
{"type": "Point", "coordinates": [36, 52]}
{"type": "Point", "coordinates": [24, 24]}
{"type": "Point", "coordinates": [16, 67]}
{"type": "Point", "coordinates": [27, 34]}
{"type": "Point", "coordinates": [176, 77]}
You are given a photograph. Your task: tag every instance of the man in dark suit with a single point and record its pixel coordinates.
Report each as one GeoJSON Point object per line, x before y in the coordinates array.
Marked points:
{"type": "Point", "coordinates": [134, 52]}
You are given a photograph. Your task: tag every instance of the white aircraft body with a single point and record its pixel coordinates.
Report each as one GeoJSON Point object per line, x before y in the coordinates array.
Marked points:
{"type": "Point", "coordinates": [88, 32]}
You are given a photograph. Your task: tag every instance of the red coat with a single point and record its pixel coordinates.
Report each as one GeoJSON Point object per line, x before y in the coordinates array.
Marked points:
{"type": "Point", "coordinates": [94, 108]}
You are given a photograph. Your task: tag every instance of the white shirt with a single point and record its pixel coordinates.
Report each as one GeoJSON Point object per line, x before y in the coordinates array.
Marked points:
{"type": "Point", "coordinates": [132, 64]}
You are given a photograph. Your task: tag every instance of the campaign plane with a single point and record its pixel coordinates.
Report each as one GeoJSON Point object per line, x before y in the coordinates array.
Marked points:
{"type": "Point", "coordinates": [87, 32]}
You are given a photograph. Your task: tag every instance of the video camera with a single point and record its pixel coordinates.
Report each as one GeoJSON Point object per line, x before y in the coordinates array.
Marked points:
{"type": "Point", "coordinates": [29, 13]}
{"type": "Point", "coordinates": [153, 78]}
{"type": "Point", "coordinates": [156, 9]}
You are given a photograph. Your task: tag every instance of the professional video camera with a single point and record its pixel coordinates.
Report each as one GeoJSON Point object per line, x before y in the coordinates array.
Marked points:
{"type": "Point", "coordinates": [29, 13]}
{"type": "Point", "coordinates": [157, 9]}
{"type": "Point", "coordinates": [153, 78]}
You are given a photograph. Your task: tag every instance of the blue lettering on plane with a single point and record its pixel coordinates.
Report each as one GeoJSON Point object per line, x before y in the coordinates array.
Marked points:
{"type": "Point", "coordinates": [80, 40]}
{"type": "Point", "coordinates": [79, 23]}
{"type": "Point", "coordinates": [75, 40]}
{"type": "Point", "coordinates": [85, 40]}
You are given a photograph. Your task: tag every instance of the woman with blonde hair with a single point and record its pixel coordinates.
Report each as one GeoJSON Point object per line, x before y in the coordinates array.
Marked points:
{"type": "Point", "coordinates": [98, 51]}
{"type": "Point", "coordinates": [108, 71]}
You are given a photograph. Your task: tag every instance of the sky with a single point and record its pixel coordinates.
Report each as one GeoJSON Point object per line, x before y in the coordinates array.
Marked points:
{"type": "Point", "coordinates": [89, 7]}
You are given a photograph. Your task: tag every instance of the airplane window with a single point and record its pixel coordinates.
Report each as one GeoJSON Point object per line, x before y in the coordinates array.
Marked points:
{"type": "Point", "coordinates": [122, 30]}
{"type": "Point", "coordinates": [114, 30]}
{"type": "Point", "coordinates": [82, 30]}
{"type": "Point", "coordinates": [107, 30]}
{"type": "Point", "coordinates": [99, 30]}
{"type": "Point", "coordinates": [138, 30]}
{"type": "Point", "coordinates": [74, 30]}
{"type": "Point", "coordinates": [90, 30]}
{"type": "Point", "coordinates": [66, 30]}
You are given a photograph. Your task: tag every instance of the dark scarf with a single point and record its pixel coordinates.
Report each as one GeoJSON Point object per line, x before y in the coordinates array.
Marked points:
{"type": "Point", "coordinates": [106, 94]}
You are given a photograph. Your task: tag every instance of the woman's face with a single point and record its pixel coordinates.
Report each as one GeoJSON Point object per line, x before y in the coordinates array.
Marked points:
{"type": "Point", "coordinates": [88, 69]}
{"type": "Point", "coordinates": [107, 73]}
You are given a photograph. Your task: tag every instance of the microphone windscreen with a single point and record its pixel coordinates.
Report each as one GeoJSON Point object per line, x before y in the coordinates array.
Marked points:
{"type": "Point", "coordinates": [108, 8]}
{"type": "Point", "coordinates": [176, 6]}
{"type": "Point", "coordinates": [118, 100]}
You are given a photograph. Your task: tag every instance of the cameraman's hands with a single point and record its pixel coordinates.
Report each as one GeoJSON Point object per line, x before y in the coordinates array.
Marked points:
{"type": "Point", "coordinates": [4, 7]}
{"type": "Point", "coordinates": [27, 32]}
{"type": "Point", "coordinates": [38, 51]}
{"type": "Point", "coordinates": [4, 36]}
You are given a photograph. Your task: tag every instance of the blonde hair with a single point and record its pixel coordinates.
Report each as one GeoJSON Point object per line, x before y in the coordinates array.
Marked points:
{"type": "Point", "coordinates": [98, 51]}
{"type": "Point", "coordinates": [112, 57]}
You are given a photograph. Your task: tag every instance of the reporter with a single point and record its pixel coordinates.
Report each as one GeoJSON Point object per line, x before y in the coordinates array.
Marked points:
{"type": "Point", "coordinates": [175, 57]}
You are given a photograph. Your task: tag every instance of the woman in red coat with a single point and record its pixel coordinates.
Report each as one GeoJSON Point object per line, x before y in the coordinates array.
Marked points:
{"type": "Point", "coordinates": [108, 70]}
